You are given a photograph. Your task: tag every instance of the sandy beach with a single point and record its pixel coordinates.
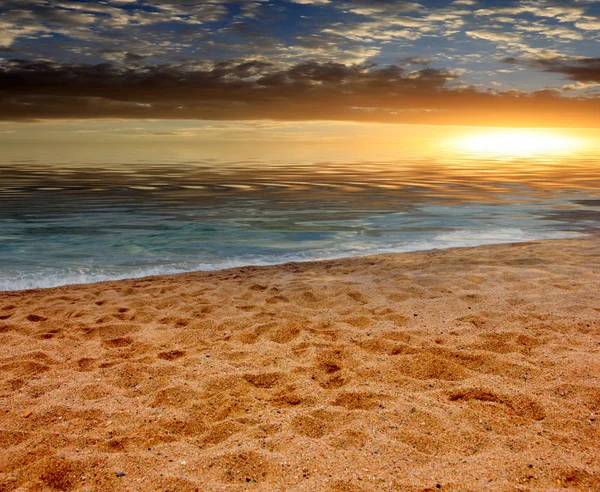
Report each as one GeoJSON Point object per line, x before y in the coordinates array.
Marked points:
{"type": "Point", "coordinates": [461, 369]}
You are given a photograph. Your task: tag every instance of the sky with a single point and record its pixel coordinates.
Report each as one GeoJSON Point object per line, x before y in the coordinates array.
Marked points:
{"type": "Point", "coordinates": [175, 67]}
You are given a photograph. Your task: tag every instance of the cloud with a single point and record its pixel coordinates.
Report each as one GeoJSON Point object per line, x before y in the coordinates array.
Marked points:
{"type": "Point", "coordinates": [371, 31]}
{"type": "Point", "coordinates": [584, 70]}
{"type": "Point", "coordinates": [417, 60]}
{"type": "Point", "coordinates": [496, 36]}
{"type": "Point", "coordinates": [551, 32]}
{"type": "Point", "coordinates": [311, 2]}
{"type": "Point", "coordinates": [377, 7]}
{"type": "Point", "coordinates": [88, 20]}
{"type": "Point", "coordinates": [539, 8]}
{"type": "Point", "coordinates": [589, 23]}
{"type": "Point", "coordinates": [578, 69]}
{"type": "Point", "coordinates": [255, 89]}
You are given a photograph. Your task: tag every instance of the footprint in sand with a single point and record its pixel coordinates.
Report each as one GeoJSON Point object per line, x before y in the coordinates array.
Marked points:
{"type": "Point", "coordinates": [171, 355]}
{"type": "Point", "coordinates": [246, 467]}
{"type": "Point", "coordinates": [266, 380]}
{"type": "Point", "coordinates": [520, 405]}
{"type": "Point", "coordinates": [315, 425]}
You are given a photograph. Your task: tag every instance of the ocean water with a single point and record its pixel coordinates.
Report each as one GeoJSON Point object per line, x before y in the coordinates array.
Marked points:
{"type": "Point", "coordinates": [80, 221]}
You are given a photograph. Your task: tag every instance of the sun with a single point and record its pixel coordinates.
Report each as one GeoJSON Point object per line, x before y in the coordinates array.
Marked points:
{"type": "Point", "coordinates": [517, 143]}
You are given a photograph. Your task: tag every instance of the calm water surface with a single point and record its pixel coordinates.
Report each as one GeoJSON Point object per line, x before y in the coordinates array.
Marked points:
{"type": "Point", "coordinates": [76, 222]}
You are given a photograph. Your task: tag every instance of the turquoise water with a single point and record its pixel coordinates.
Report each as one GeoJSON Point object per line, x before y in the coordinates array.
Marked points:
{"type": "Point", "coordinates": [73, 222]}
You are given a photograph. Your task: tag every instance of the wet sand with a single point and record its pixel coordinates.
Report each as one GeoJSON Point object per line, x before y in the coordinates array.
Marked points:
{"type": "Point", "coordinates": [462, 369]}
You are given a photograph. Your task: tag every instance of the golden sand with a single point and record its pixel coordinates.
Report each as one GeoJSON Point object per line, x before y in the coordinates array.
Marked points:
{"type": "Point", "coordinates": [462, 369]}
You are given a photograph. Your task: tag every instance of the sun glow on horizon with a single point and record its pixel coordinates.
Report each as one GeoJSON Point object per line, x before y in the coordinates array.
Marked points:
{"type": "Point", "coordinates": [519, 143]}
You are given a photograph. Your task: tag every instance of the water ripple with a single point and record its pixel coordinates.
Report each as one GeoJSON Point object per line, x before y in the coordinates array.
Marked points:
{"type": "Point", "coordinates": [72, 223]}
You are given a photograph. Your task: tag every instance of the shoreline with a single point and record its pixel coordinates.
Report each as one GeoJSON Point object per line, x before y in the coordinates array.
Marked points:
{"type": "Point", "coordinates": [456, 369]}
{"type": "Point", "coordinates": [576, 235]}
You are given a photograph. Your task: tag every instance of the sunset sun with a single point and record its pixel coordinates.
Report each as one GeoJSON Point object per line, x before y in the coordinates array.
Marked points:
{"type": "Point", "coordinates": [518, 142]}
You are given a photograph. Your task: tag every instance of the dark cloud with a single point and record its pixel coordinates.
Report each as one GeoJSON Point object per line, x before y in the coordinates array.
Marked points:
{"type": "Point", "coordinates": [223, 79]}
{"type": "Point", "coordinates": [126, 57]}
{"type": "Point", "coordinates": [21, 4]}
{"type": "Point", "coordinates": [585, 70]}
{"type": "Point", "coordinates": [231, 90]}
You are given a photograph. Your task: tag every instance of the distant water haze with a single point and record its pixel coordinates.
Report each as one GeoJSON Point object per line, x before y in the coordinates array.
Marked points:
{"type": "Point", "coordinates": [172, 142]}
{"type": "Point", "coordinates": [88, 208]}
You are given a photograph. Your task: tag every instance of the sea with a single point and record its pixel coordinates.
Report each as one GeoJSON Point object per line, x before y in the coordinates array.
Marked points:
{"type": "Point", "coordinates": [93, 215]}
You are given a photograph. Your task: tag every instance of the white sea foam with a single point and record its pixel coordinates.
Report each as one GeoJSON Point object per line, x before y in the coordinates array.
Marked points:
{"type": "Point", "coordinates": [46, 278]}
